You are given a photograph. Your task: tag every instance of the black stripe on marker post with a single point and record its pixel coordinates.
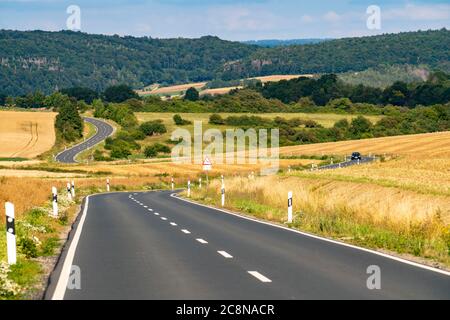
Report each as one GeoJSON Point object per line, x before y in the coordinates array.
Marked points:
{"type": "Point", "coordinates": [10, 225]}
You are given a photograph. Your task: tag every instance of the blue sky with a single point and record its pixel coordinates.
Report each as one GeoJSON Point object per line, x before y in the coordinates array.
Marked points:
{"type": "Point", "coordinates": [228, 19]}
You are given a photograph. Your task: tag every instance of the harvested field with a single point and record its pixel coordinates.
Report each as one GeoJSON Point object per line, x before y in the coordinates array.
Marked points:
{"type": "Point", "coordinates": [427, 145]}
{"type": "Point", "coordinates": [26, 134]}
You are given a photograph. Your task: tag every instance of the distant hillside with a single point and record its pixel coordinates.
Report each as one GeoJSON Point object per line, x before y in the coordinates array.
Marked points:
{"type": "Point", "coordinates": [385, 76]}
{"type": "Point", "coordinates": [47, 61]}
{"type": "Point", "coordinates": [429, 48]}
{"type": "Point", "coordinates": [51, 60]}
{"type": "Point", "coordinates": [283, 43]}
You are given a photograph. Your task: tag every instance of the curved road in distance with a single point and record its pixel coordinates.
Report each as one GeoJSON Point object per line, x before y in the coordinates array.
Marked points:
{"type": "Point", "coordinates": [104, 130]}
{"type": "Point", "coordinates": [154, 245]}
{"type": "Point", "coordinates": [348, 163]}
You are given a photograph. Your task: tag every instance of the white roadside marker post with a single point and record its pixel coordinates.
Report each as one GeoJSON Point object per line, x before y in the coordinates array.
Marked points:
{"type": "Point", "coordinates": [289, 169]}
{"type": "Point", "coordinates": [73, 189]}
{"type": "Point", "coordinates": [290, 207]}
{"type": "Point", "coordinates": [332, 161]}
{"type": "Point", "coordinates": [107, 185]}
{"type": "Point", "coordinates": [200, 183]}
{"type": "Point", "coordinates": [173, 185]}
{"type": "Point", "coordinates": [69, 192]}
{"type": "Point", "coordinates": [10, 233]}
{"type": "Point", "coordinates": [223, 193]}
{"type": "Point", "coordinates": [55, 201]}
{"type": "Point", "coordinates": [189, 188]}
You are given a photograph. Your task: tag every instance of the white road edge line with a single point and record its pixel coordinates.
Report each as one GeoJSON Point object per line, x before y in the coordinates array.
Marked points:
{"type": "Point", "coordinates": [411, 263]}
{"type": "Point", "coordinates": [61, 286]}
{"type": "Point", "coordinates": [185, 231]}
{"type": "Point", "coordinates": [225, 254]}
{"type": "Point", "coordinates": [202, 241]}
{"type": "Point", "coordinates": [259, 276]}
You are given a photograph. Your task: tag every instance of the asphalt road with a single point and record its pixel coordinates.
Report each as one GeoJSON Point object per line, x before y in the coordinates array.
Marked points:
{"type": "Point", "coordinates": [348, 163]}
{"type": "Point", "coordinates": [156, 246]}
{"type": "Point", "coordinates": [104, 130]}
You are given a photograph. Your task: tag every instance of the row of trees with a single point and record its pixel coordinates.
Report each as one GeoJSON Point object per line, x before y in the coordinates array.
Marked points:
{"type": "Point", "coordinates": [37, 99]}
{"type": "Point", "coordinates": [434, 91]}
{"type": "Point", "coordinates": [419, 120]}
{"type": "Point", "coordinates": [259, 98]}
{"type": "Point", "coordinates": [298, 131]}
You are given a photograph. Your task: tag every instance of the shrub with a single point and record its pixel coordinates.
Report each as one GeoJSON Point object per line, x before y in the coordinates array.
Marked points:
{"type": "Point", "coordinates": [216, 119]}
{"type": "Point", "coordinates": [179, 121]}
{"type": "Point", "coordinates": [162, 148]}
{"type": "Point", "coordinates": [150, 152]}
{"type": "Point", "coordinates": [151, 128]}
{"type": "Point", "coordinates": [28, 247]}
{"type": "Point", "coordinates": [118, 152]}
{"type": "Point", "coordinates": [153, 150]}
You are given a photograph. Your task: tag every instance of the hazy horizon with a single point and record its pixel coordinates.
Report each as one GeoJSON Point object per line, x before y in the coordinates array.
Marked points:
{"type": "Point", "coordinates": [227, 19]}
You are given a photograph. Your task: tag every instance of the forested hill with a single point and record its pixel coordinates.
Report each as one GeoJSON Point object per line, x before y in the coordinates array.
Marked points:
{"type": "Point", "coordinates": [46, 61]}
{"type": "Point", "coordinates": [352, 54]}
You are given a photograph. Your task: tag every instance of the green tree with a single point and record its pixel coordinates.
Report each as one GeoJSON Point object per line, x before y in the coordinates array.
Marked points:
{"type": "Point", "coordinates": [68, 122]}
{"type": "Point", "coordinates": [192, 94]}
{"type": "Point", "coordinates": [360, 126]}
{"type": "Point", "coordinates": [2, 99]}
{"type": "Point", "coordinates": [119, 93]}
{"type": "Point", "coordinates": [81, 93]}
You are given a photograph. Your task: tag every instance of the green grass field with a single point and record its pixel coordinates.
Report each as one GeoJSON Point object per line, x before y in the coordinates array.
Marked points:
{"type": "Point", "coordinates": [325, 119]}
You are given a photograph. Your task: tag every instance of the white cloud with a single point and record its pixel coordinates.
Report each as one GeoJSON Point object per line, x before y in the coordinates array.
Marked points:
{"type": "Point", "coordinates": [240, 18]}
{"type": "Point", "coordinates": [307, 19]}
{"type": "Point", "coordinates": [332, 16]}
{"type": "Point", "coordinates": [418, 13]}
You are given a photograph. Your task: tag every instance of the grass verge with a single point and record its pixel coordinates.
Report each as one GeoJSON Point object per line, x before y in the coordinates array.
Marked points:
{"type": "Point", "coordinates": [393, 222]}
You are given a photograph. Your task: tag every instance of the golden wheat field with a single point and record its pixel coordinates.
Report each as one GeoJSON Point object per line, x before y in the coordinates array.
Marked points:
{"type": "Point", "coordinates": [171, 90]}
{"type": "Point", "coordinates": [219, 91]}
{"type": "Point", "coordinates": [429, 145]}
{"type": "Point", "coordinates": [26, 134]}
{"type": "Point", "coordinates": [276, 78]}
{"type": "Point", "coordinates": [379, 203]}
{"type": "Point", "coordinates": [153, 168]}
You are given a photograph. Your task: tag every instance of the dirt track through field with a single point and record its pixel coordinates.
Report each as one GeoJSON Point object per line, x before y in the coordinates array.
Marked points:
{"type": "Point", "coordinates": [26, 134]}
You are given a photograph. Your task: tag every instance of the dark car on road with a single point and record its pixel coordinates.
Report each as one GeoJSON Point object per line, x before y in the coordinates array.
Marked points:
{"type": "Point", "coordinates": [356, 156]}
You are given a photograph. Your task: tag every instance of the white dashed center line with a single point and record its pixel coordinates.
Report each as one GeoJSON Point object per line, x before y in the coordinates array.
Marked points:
{"type": "Point", "coordinates": [259, 276]}
{"type": "Point", "coordinates": [186, 231]}
{"type": "Point", "coordinates": [156, 214]}
{"type": "Point", "coordinates": [202, 241]}
{"type": "Point", "coordinates": [225, 254]}
{"type": "Point", "coordinates": [150, 209]}
{"type": "Point", "coordinates": [163, 218]}
{"type": "Point", "coordinates": [173, 224]}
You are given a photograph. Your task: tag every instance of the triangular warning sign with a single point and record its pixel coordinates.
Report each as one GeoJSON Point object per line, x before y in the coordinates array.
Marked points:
{"type": "Point", "coordinates": [207, 162]}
